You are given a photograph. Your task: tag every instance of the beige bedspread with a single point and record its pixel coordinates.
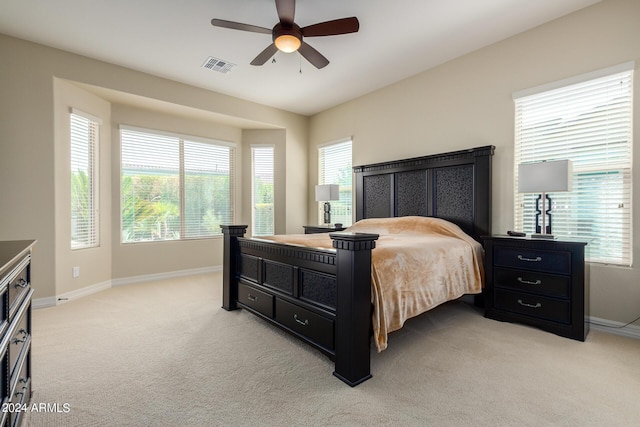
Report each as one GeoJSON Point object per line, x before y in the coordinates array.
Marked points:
{"type": "Point", "coordinates": [418, 263]}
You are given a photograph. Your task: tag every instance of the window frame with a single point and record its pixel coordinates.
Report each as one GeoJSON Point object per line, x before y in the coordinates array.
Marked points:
{"type": "Point", "coordinates": [255, 229]}
{"type": "Point", "coordinates": [572, 119]}
{"type": "Point", "coordinates": [346, 191]}
{"type": "Point", "coordinates": [183, 141]}
{"type": "Point", "coordinates": [91, 151]}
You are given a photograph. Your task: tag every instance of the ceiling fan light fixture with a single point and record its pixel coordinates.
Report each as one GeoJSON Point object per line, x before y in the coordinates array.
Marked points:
{"type": "Point", "coordinates": [287, 43]}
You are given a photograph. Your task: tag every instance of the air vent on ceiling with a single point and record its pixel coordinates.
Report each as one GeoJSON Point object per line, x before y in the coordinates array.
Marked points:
{"type": "Point", "coordinates": [219, 65]}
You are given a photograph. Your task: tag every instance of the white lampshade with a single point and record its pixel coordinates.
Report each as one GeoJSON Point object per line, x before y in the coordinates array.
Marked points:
{"type": "Point", "coordinates": [327, 192]}
{"type": "Point", "coordinates": [545, 177]}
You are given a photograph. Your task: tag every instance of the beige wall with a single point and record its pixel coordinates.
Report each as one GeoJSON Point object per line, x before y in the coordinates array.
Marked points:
{"type": "Point", "coordinates": [468, 102]}
{"type": "Point", "coordinates": [33, 183]}
{"type": "Point", "coordinates": [94, 263]}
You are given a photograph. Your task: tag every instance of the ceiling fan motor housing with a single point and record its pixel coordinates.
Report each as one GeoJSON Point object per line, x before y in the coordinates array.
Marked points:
{"type": "Point", "coordinates": [287, 38]}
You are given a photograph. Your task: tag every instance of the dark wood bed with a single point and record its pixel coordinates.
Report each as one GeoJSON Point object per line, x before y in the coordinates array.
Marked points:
{"type": "Point", "coordinates": [322, 296]}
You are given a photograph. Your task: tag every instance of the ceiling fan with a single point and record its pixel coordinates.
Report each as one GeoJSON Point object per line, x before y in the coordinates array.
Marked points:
{"type": "Point", "coordinates": [289, 37]}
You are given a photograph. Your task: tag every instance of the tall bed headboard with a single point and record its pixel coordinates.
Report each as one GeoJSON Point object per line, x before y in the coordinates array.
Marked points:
{"type": "Point", "coordinates": [455, 186]}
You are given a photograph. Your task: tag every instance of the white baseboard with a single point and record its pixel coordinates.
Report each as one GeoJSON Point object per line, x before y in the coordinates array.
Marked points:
{"type": "Point", "coordinates": [617, 328]}
{"type": "Point", "coordinates": [92, 289]}
{"type": "Point", "coordinates": [160, 276]}
{"type": "Point", "coordinates": [43, 302]}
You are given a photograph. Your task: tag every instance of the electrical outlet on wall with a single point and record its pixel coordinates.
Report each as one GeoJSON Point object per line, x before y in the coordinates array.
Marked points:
{"type": "Point", "coordinates": [76, 272]}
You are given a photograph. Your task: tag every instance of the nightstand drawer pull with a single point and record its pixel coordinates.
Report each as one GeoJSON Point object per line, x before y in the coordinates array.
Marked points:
{"type": "Point", "coordinates": [303, 323]}
{"type": "Point", "coordinates": [536, 259]}
{"type": "Point", "coordinates": [528, 282]}
{"type": "Point", "coordinates": [536, 305]}
{"type": "Point", "coordinates": [251, 297]}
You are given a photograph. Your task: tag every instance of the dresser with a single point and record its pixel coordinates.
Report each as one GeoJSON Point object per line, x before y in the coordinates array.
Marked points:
{"type": "Point", "coordinates": [15, 329]}
{"type": "Point", "coordinates": [541, 283]}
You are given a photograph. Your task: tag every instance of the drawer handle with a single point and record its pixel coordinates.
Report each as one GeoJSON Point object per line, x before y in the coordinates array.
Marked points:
{"type": "Point", "coordinates": [21, 391]}
{"type": "Point", "coordinates": [303, 323]}
{"type": "Point", "coordinates": [536, 305]}
{"type": "Point", "coordinates": [536, 259]}
{"type": "Point", "coordinates": [527, 282]}
{"type": "Point", "coordinates": [251, 297]}
{"type": "Point", "coordinates": [24, 333]}
{"type": "Point", "coordinates": [21, 283]}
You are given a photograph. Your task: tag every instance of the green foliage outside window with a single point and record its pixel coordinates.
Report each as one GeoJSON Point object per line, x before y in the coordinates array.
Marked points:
{"type": "Point", "coordinates": [151, 206]}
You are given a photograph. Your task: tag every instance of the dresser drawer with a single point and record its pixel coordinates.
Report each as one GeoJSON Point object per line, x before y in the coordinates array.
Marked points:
{"type": "Point", "coordinates": [19, 379]}
{"type": "Point", "coordinates": [533, 305]}
{"type": "Point", "coordinates": [533, 282]}
{"type": "Point", "coordinates": [316, 328]}
{"type": "Point", "coordinates": [556, 262]}
{"type": "Point", "coordinates": [19, 286]}
{"type": "Point", "coordinates": [20, 393]}
{"type": "Point", "coordinates": [4, 310]}
{"type": "Point", "coordinates": [20, 339]}
{"type": "Point", "coordinates": [4, 376]}
{"type": "Point", "coordinates": [256, 299]}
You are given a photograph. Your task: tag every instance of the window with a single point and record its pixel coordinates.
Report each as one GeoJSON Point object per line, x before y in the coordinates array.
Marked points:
{"type": "Point", "coordinates": [588, 121]}
{"type": "Point", "coordinates": [335, 168]}
{"type": "Point", "coordinates": [262, 218]}
{"type": "Point", "coordinates": [84, 180]}
{"type": "Point", "coordinates": [174, 186]}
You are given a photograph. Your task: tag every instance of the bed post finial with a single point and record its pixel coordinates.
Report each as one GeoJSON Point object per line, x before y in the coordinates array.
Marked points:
{"type": "Point", "coordinates": [229, 292]}
{"type": "Point", "coordinates": [353, 313]}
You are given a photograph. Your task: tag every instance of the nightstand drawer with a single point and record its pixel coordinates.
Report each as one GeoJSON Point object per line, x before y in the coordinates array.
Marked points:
{"type": "Point", "coordinates": [256, 299]}
{"type": "Point", "coordinates": [532, 259]}
{"type": "Point", "coordinates": [533, 282]}
{"type": "Point", "coordinates": [533, 305]}
{"type": "Point", "coordinates": [311, 325]}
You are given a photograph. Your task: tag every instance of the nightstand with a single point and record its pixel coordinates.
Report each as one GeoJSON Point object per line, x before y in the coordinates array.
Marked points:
{"type": "Point", "coordinates": [537, 282]}
{"type": "Point", "coordinates": [313, 229]}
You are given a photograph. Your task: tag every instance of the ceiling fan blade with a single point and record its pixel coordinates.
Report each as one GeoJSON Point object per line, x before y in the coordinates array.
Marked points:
{"type": "Point", "coordinates": [286, 11]}
{"type": "Point", "coordinates": [239, 26]}
{"type": "Point", "coordinates": [313, 56]}
{"type": "Point", "coordinates": [332, 28]}
{"type": "Point", "coordinates": [265, 55]}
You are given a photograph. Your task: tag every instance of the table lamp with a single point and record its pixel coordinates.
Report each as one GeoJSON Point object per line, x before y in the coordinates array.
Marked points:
{"type": "Point", "coordinates": [544, 177]}
{"type": "Point", "coordinates": [324, 193]}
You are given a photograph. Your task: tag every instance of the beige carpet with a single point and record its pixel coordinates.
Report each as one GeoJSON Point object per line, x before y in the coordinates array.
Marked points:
{"type": "Point", "coordinates": [166, 354]}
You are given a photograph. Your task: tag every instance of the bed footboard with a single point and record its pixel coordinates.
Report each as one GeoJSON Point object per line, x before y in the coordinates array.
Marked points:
{"type": "Point", "coordinates": [320, 296]}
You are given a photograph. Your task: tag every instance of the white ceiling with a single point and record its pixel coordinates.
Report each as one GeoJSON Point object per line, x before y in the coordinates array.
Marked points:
{"type": "Point", "coordinates": [172, 39]}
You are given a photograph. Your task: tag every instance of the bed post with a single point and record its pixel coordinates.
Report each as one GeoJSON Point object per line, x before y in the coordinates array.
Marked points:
{"type": "Point", "coordinates": [229, 291]}
{"type": "Point", "coordinates": [353, 311]}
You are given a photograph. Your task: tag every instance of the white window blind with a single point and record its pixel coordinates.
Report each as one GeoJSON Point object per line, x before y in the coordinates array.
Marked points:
{"type": "Point", "coordinates": [84, 185]}
{"type": "Point", "coordinates": [262, 190]}
{"type": "Point", "coordinates": [173, 186]}
{"type": "Point", "coordinates": [208, 189]}
{"type": "Point", "coordinates": [590, 123]}
{"type": "Point", "coordinates": [335, 168]}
